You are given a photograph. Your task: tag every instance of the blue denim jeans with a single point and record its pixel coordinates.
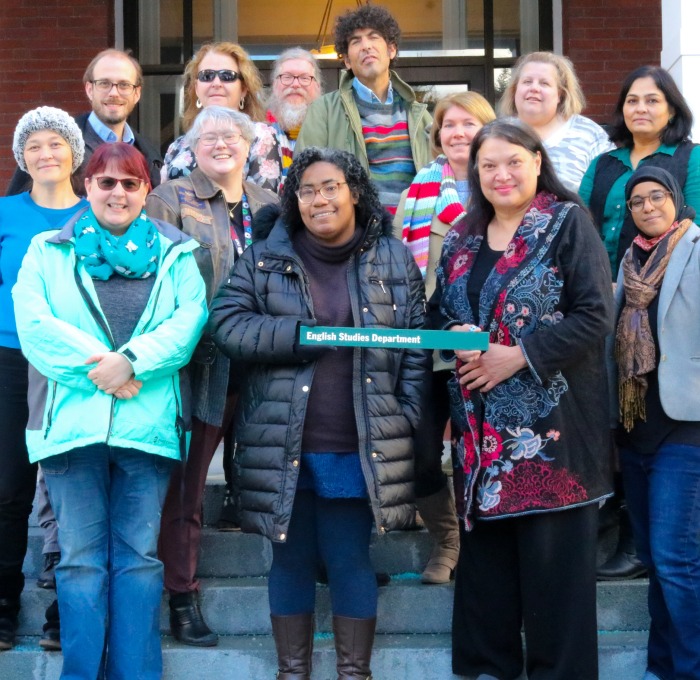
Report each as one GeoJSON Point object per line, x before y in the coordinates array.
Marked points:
{"type": "Point", "coordinates": [663, 497]}
{"type": "Point", "coordinates": [108, 502]}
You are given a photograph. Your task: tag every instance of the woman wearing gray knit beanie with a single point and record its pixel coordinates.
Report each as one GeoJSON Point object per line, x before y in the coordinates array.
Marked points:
{"type": "Point", "coordinates": [49, 146]}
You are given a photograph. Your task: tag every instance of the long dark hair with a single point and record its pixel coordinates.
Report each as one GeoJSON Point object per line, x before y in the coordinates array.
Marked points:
{"type": "Point", "coordinates": [679, 126]}
{"type": "Point", "coordinates": [360, 186]}
{"type": "Point", "coordinates": [513, 131]}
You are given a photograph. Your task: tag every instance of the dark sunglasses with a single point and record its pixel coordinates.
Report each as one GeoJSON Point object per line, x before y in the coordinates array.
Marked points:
{"type": "Point", "coordinates": [129, 184]}
{"type": "Point", "coordinates": [225, 75]}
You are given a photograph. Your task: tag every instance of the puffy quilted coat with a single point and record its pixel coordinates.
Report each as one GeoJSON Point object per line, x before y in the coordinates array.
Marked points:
{"type": "Point", "coordinates": [255, 319]}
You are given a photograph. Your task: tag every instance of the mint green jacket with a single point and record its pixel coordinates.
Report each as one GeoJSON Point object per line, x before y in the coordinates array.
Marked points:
{"type": "Point", "coordinates": [333, 121]}
{"type": "Point", "coordinates": [60, 324]}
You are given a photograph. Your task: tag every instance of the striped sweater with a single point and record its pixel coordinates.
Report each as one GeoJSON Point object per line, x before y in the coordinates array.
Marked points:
{"type": "Point", "coordinates": [385, 131]}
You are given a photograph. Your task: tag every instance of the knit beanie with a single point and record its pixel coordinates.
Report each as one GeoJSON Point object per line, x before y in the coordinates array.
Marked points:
{"type": "Point", "coordinates": [48, 118]}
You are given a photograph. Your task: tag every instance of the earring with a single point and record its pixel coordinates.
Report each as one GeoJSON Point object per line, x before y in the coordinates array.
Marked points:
{"type": "Point", "coordinates": [241, 103]}
{"type": "Point", "coordinates": [198, 104]}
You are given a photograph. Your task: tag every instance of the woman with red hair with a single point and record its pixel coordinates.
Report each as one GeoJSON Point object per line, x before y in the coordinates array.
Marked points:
{"type": "Point", "coordinates": [109, 308]}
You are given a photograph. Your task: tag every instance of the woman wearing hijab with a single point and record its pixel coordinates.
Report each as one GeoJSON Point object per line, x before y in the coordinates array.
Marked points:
{"type": "Point", "coordinates": [657, 357]}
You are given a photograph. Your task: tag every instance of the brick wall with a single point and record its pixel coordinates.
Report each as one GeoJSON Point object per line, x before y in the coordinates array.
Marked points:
{"type": "Point", "coordinates": [45, 46]}
{"type": "Point", "coordinates": [606, 40]}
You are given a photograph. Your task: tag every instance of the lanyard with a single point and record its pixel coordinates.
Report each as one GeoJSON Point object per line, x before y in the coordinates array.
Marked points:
{"type": "Point", "coordinates": [247, 226]}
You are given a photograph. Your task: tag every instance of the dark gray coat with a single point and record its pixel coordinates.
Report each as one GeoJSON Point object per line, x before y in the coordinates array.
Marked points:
{"type": "Point", "coordinates": [255, 319]}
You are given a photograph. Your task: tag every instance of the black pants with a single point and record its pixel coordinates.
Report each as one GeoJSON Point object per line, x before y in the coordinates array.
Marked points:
{"type": "Point", "coordinates": [17, 475]}
{"type": "Point", "coordinates": [536, 571]}
{"type": "Point", "coordinates": [428, 440]}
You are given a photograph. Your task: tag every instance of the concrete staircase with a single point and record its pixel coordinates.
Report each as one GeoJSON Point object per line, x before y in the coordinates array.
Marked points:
{"type": "Point", "coordinates": [413, 641]}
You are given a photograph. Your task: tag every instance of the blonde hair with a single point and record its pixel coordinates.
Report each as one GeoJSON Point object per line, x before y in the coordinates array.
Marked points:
{"type": "Point", "coordinates": [250, 77]}
{"type": "Point", "coordinates": [472, 102]}
{"type": "Point", "coordinates": [571, 96]}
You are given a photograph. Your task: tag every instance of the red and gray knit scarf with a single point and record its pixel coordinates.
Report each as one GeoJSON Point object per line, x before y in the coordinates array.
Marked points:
{"type": "Point", "coordinates": [433, 192]}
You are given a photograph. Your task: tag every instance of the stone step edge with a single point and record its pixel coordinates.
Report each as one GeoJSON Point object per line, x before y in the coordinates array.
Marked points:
{"type": "Point", "coordinates": [606, 639]}
{"type": "Point", "coordinates": [400, 657]}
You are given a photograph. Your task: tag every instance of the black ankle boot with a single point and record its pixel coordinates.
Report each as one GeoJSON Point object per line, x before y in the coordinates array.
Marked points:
{"type": "Point", "coordinates": [9, 611]}
{"type": "Point", "coordinates": [187, 623]}
{"type": "Point", "coordinates": [47, 578]}
{"type": "Point", "coordinates": [51, 639]}
{"type": "Point", "coordinates": [624, 564]}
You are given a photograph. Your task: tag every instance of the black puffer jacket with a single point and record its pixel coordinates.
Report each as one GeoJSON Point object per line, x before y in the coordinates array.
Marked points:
{"type": "Point", "coordinates": [255, 319]}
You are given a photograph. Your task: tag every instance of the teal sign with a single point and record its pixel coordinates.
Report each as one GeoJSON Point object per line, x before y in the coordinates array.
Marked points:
{"type": "Point", "coordinates": [337, 336]}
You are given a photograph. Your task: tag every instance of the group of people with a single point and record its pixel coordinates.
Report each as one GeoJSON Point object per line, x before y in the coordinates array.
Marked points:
{"type": "Point", "coordinates": [152, 310]}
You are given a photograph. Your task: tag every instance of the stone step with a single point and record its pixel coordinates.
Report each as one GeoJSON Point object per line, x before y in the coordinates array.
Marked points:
{"type": "Point", "coordinates": [396, 657]}
{"type": "Point", "coordinates": [213, 499]}
{"type": "Point", "coordinates": [239, 606]}
{"type": "Point", "coordinates": [235, 554]}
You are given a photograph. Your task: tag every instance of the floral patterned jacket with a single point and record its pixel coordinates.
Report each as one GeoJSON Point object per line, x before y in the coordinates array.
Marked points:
{"type": "Point", "coordinates": [264, 166]}
{"type": "Point", "coordinates": [538, 441]}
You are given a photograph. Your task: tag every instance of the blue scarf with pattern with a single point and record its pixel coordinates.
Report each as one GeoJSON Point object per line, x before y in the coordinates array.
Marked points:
{"type": "Point", "coordinates": [133, 255]}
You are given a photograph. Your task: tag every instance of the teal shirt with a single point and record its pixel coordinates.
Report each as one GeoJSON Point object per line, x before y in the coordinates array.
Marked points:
{"type": "Point", "coordinates": [615, 208]}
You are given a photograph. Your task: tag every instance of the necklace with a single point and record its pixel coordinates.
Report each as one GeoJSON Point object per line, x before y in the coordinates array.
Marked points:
{"type": "Point", "coordinates": [232, 209]}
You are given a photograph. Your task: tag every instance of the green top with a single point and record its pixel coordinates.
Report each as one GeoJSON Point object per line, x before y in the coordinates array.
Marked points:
{"type": "Point", "coordinates": [615, 209]}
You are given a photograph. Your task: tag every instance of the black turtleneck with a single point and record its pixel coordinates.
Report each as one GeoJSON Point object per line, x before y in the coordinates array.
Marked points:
{"type": "Point", "coordinates": [330, 425]}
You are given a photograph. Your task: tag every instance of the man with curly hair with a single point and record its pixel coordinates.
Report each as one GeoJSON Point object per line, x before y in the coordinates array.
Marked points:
{"type": "Point", "coordinates": [373, 114]}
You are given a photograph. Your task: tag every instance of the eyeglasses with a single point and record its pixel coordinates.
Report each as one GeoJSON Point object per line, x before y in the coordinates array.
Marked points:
{"type": "Point", "coordinates": [226, 75]}
{"type": "Point", "coordinates": [129, 184]}
{"type": "Point", "coordinates": [328, 191]}
{"type": "Point", "coordinates": [656, 198]}
{"type": "Point", "coordinates": [288, 79]}
{"type": "Point", "coordinates": [211, 138]}
{"type": "Point", "coordinates": [123, 87]}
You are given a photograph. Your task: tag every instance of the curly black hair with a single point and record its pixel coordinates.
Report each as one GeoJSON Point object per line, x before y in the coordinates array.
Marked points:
{"type": "Point", "coordinates": [376, 17]}
{"type": "Point", "coordinates": [360, 186]}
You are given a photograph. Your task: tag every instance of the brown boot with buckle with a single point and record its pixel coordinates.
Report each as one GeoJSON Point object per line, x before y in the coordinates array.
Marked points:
{"type": "Point", "coordinates": [354, 639]}
{"type": "Point", "coordinates": [294, 640]}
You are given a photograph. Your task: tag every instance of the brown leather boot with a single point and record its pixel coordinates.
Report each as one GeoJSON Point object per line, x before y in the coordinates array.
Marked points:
{"type": "Point", "coordinates": [354, 639]}
{"type": "Point", "coordinates": [294, 640]}
{"type": "Point", "coordinates": [440, 518]}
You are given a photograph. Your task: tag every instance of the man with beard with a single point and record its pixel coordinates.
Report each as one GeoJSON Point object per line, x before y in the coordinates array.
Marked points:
{"type": "Point", "coordinates": [296, 82]}
{"type": "Point", "coordinates": [112, 82]}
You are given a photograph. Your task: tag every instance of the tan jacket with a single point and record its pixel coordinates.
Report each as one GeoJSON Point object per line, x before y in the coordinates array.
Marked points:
{"type": "Point", "coordinates": [195, 205]}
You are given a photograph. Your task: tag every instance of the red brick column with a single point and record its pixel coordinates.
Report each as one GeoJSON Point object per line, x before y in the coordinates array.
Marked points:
{"type": "Point", "coordinates": [607, 39]}
{"type": "Point", "coordinates": [45, 46]}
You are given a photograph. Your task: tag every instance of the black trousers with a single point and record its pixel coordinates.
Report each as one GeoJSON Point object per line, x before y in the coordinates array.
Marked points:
{"type": "Point", "coordinates": [536, 572]}
{"type": "Point", "coordinates": [429, 477]}
{"type": "Point", "coordinates": [17, 475]}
